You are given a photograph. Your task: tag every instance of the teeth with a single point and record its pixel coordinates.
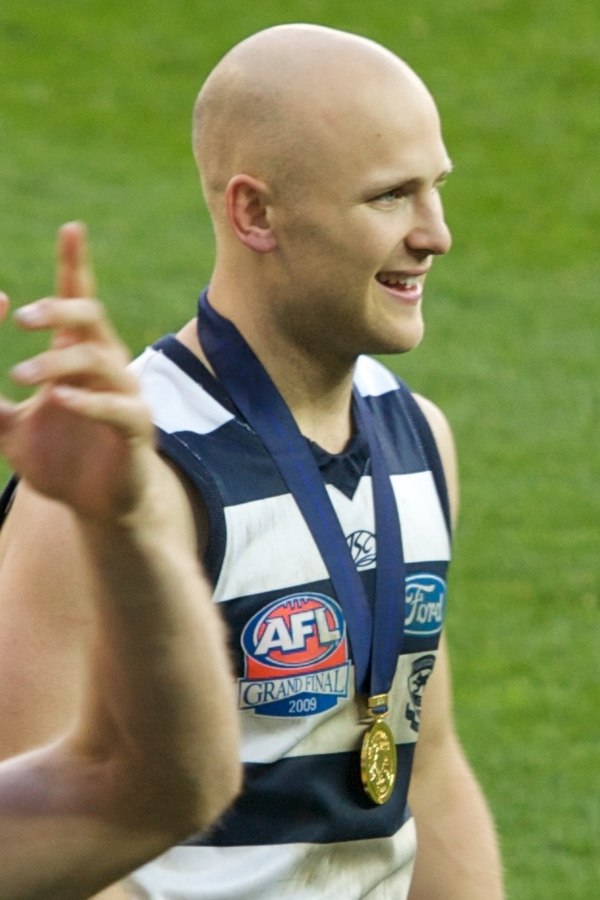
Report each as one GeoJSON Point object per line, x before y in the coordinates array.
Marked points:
{"type": "Point", "coordinates": [403, 280]}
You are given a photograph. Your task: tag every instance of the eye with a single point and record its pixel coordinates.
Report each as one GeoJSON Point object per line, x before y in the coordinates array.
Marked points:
{"type": "Point", "coordinates": [396, 194]}
{"type": "Point", "coordinates": [393, 195]}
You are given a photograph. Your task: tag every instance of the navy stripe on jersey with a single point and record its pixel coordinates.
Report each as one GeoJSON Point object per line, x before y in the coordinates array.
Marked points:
{"type": "Point", "coordinates": [312, 810]}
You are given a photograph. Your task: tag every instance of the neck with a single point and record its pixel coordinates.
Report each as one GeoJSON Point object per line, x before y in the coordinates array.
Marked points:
{"type": "Point", "coordinates": [317, 392]}
{"type": "Point", "coordinates": [320, 405]}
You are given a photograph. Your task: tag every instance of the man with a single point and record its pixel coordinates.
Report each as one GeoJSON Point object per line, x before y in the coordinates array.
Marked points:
{"type": "Point", "coordinates": [318, 497]}
{"type": "Point", "coordinates": [140, 767]}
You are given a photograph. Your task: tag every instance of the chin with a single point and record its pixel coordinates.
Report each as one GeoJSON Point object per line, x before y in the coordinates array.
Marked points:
{"type": "Point", "coordinates": [400, 340]}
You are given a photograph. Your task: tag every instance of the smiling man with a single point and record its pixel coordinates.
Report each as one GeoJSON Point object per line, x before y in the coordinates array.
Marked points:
{"type": "Point", "coordinates": [321, 160]}
{"type": "Point", "coordinates": [323, 492]}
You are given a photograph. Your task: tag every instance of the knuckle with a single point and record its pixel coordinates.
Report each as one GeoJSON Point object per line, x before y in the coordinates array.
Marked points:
{"type": "Point", "coordinates": [96, 307]}
{"type": "Point", "coordinates": [91, 311]}
{"type": "Point", "coordinates": [95, 355]}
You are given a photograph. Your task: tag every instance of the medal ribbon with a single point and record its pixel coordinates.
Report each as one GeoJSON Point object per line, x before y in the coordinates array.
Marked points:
{"type": "Point", "coordinates": [376, 637]}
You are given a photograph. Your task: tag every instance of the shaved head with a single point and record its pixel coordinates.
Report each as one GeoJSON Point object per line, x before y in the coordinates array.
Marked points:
{"type": "Point", "coordinates": [282, 100]}
{"type": "Point", "coordinates": [321, 154]}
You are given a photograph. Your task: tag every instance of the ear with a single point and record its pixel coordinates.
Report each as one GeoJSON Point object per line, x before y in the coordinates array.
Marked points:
{"type": "Point", "coordinates": [248, 213]}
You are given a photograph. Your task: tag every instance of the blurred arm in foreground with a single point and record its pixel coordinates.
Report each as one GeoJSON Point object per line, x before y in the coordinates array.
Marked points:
{"type": "Point", "coordinates": [152, 754]}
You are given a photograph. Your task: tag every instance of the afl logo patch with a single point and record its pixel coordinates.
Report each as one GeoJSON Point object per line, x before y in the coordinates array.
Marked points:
{"type": "Point", "coordinates": [296, 657]}
{"type": "Point", "coordinates": [425, 604]}
{"type": "Point", "coordinates": [295, 632]}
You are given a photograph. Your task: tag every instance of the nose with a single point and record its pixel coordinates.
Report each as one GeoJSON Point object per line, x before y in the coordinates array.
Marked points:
{"type": "Point", "coordinates": [429, 234]}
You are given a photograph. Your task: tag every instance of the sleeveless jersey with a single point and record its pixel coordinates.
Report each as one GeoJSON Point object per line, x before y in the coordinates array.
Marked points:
{"type": "Point", "coordinates": [303, 826]}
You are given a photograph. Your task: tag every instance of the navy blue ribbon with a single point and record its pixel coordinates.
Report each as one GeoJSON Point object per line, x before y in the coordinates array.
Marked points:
{"type": "Point", "coordinates": [376, 636]}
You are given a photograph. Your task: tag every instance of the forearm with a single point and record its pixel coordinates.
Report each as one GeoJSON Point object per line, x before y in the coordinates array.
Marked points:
{"type": "Point", "coordinates": [457, 856]}
{"type": "Point", "coordinates": [160, 699]}
{"type": "Point", "coordinates": [53, 845]}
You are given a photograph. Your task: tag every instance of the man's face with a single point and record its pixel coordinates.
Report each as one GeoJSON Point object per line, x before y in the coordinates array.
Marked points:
{"type": "Point", "coordinates": [359, 228]}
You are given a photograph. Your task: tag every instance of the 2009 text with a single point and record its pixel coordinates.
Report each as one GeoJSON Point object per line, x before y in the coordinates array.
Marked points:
{"type": "Point", "coordinates": [302, 705]}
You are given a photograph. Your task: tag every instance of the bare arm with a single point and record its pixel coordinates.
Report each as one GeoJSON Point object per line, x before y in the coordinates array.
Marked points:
{"type": "Point", "coordinates": [99, 581]}
{"type": "Point", "coordinates": [457, 856]}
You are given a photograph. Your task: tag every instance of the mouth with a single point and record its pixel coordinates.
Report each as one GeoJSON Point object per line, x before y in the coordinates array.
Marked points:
{"type": "Point", "coordinates": [406, 286]}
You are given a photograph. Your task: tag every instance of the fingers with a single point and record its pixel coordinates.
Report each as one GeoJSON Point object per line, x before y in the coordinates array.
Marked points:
{"type": "Point", "coordinates": [8, 415]}
{"type": "Point", "coordinates": [80, 364]}
{"type": "Point", "coordinates": [4, 304]}
{"type": "Point", "coordinates": [126, 413]}
{"type": "Point", "coordinates": [90, 354]}
{"type": "Point", "coordinates": [83, 318]}
{"type": "Point", "coordinates": [74, 274]}
{"type": "Point", "coordinates": [85, 367]}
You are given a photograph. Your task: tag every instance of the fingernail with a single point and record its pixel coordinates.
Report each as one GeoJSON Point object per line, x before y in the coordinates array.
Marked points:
{"type": "Point", "coordinates": [65, 392]}
{"type": "Point", "coordinates": [28, 314]}
{"type": "Point", "coordinates": [25, 371]}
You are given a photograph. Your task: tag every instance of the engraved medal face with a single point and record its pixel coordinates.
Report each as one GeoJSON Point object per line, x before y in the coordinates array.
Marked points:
{"type": "Point", "coordinates": [378, 762]}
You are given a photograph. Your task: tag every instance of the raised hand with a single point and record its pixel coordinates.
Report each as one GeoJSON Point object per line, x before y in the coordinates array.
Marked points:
{"type": "Point", "coordinates": [83, 437]}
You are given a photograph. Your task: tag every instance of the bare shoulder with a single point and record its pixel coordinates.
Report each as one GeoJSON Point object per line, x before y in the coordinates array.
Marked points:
{"type": "Point", "coordinates": [444, 439]}
{"type": "Point", "coordinates": [47, 615]}
{"type": "Point", "coordinates": [187, 513]}
{"type": "Point", "coordinates": [45, 625]}
{"type": "Point", "coordinates": [188, 509]}
{"type": "Point", "coordinates": [437, 422]}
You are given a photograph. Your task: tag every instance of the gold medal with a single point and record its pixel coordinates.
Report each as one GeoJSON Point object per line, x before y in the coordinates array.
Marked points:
{"type": "Point", "coordinates": [378, 764]}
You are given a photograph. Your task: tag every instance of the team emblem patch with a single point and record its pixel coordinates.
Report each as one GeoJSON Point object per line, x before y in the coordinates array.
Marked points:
{"type": "Point", "coordinates": [296, 657]}
{"type": "Point", "coordinates": [420, 672]}
{"type": "Point", "coordinates": [363, 547]}
{"type": "Point", "coordinates": [425, 604]}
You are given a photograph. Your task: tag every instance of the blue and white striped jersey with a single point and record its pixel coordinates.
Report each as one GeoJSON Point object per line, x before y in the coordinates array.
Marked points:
{"type": "Point", "coordinates": [303, 827]}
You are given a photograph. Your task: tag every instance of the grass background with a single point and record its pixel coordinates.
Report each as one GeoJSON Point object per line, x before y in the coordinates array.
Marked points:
{"type": "Point", "coordinates": [95, 100]}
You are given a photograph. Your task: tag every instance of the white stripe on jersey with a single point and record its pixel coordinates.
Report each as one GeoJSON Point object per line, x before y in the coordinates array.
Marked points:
{"type": "Point", "coordinates": [336, 731]}
{"type": "Point", "coordinates": [372, 378]}
{"type": "Point", "coordinates": [178, 403]}
{"type": "Point", "coordinates": [424, 532]}
{"type": "Point", "coordinates": [348, 870]}
{"type": "Point", "coordinates": [172, 395]}
{"type": "Point", "coordinates": [262, 556]}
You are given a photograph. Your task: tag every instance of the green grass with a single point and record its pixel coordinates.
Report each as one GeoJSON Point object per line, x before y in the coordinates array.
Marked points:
{"type": "Point", "coordinates": [95, 101]}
